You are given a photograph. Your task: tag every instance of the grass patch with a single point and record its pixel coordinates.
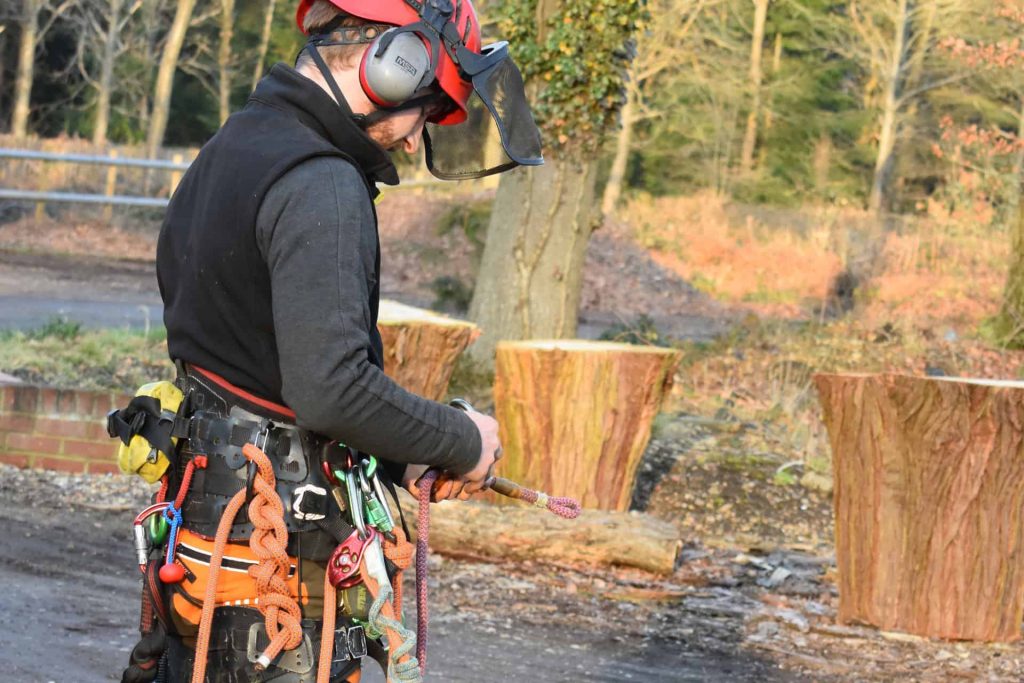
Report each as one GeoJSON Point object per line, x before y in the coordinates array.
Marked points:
{"type": "Point", "coordinates": [60, 353]}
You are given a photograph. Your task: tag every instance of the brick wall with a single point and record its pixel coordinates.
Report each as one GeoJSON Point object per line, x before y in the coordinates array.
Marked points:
{"type": "Point", "coordinates": [57, 429]}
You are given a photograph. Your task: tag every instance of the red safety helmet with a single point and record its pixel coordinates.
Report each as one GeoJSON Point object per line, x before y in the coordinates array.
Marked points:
{"type": "Point", "coordinates": [401, 13]}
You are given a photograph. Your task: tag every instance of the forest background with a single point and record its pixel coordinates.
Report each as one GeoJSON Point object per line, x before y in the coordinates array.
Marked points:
{"type": "Point", "coordinates": [852, 169]}
{"type": "Point", "coordinates": [784, 103]}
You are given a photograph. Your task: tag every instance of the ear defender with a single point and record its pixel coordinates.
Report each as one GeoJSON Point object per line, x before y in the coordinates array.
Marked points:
{"type": "Point", "coordinates": [394, 68]}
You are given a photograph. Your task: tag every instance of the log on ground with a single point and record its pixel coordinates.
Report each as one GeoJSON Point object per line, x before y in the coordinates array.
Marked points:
{"type": "Point", "coordinates": [929, 502]}
{"type": "Point", "coordinates": [576, 416]}
{"type": "Point", "coordinates": [595, 538]}
{"type": "Point", "coordinates": [421, 347]}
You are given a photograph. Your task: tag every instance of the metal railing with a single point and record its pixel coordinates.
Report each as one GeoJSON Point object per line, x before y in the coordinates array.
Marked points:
{"type": "Point", "coordinates": [109, 198]}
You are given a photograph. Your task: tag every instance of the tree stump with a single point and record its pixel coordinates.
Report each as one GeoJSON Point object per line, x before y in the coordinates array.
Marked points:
{"type": "Point", "coordinates": [421, 347]}
{"type": "Point", "coordinates": [602, 539]}
{"type": "Point", "coordinates": [576, 416]}
{"type": "Point", "coordinates": [929, 499]}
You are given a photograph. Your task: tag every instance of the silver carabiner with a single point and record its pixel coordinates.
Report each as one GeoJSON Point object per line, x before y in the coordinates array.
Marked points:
{"type": "Point", "coordinates": [355, 501]}
{"type": "Point", "coordinates": [378, 489]}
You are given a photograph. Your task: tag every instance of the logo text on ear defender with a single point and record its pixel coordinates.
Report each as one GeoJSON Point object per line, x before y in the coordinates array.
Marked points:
{"type": "Point", "coordinates": [405, 66]}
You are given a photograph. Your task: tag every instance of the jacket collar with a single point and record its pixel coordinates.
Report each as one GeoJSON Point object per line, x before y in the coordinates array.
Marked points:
{"type": "Point", "coordinates": [286, 89]}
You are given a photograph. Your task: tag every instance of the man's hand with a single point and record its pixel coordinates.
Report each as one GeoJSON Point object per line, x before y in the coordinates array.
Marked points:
{"type": "Point", "coordinates": [490, 451]}
{"type": "Point", "coordinates": [449, 486]}
{"type": "Point", "coordinates": [446, 487]}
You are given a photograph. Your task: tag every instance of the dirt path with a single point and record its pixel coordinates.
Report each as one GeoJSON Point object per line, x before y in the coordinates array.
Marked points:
{"type": "Point", "coordinates": [68, 608]}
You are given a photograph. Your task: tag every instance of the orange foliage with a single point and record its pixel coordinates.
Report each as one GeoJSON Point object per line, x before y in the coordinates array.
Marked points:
{"type": "Point", "coordinates": [772, 272]}
{"type": "Point", "coordinates": [945, 269]}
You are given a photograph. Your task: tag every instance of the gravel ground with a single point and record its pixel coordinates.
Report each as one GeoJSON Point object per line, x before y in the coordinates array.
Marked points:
{"type": "Point", "coordinates": [736, 610]}
{"type": "Point", "coordinates": [70, 604]}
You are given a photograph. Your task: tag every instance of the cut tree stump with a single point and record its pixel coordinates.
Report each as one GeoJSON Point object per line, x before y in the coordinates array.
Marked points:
{"type": "Point", "coordinates": [595, 538]}
{"type": "Point", "coordinates": [576, 416]}
{"type": "Point", "coordinates": [929, 499]}
{"type": "Point", "coordinates": [421, 347]}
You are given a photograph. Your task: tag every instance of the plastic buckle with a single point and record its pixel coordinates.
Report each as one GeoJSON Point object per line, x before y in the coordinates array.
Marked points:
{"type": "Point", "coordinates": [356, 637]}
{"type": "Point", "coordinates": [299, 495]}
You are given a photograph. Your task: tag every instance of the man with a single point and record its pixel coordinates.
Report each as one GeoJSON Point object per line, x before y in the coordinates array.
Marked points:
{"type": "Point", "coordinates": [269, 268]}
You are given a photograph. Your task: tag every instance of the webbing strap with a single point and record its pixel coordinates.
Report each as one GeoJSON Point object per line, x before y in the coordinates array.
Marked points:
{"type": "Point", "coordinates": [142, 417]}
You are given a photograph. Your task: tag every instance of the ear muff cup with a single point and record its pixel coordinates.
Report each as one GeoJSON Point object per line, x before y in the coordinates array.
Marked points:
{"type": "Point", "coordinates": [398, 72]}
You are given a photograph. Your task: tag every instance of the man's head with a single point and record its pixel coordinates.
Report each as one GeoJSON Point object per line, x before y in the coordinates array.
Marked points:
{"type": "Point", "coordinates": [398, 64]}
{"type": "Point", "coordinates": [346, 32]}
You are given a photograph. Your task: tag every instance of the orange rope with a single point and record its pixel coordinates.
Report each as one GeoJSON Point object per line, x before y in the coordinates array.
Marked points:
{"type": "Point", "coordinates": [323, 672]}
{"type": "Point", "coordinates": [400, 553]}
{"type": "Point", "coordinates": [280, 610]}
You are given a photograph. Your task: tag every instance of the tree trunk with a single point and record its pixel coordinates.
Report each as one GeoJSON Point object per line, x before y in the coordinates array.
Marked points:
{"type": "Point", "coordinates": [106, 82]}
{"type": "Point", "coordinates": [623, 144]}
{"type": "Point", "coordinates": [227, 26]}
{"type": "Point", "coordinates": [29, 25]}
{"type": "Point", "coordinates": [165, 76]}
{"type": "Point", "coordinates": [421, 347]}
{"type": "Point", "coordinates": [1009, 324]}
{"type": "Point", "coordinates": [532, 265]}
{"type": "Point", "coordinates": [576, 416]}
{"type": "Point", "coordinates": [1018, 160]}
{"type": "Point", "coordinates": [3, 71]}
{"type": "Point", "coordinates": [268, 22]}
{"type": "Point", "coordinates": [605, 539]}
{"type": "Point", "coordinates": [756, 79]}
{"type": "Point", "coordinates": [929, 495]}
{"type": "Point", "coordinates": [887, 133]}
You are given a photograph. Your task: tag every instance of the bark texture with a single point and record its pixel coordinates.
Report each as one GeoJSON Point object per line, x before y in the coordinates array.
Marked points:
{"type": "Point", "coordinates": [421, 347]}
{"type": "Point", "coordinates": [929, 498]}
{"type": "Point", "coordinates": [595, 538]}
{"type": "Point", "coordinates": [532, 266]}
{"type": "Point", "coordinates": [576, 416]}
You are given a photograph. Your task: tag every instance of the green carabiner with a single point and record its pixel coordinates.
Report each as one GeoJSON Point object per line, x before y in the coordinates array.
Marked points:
{"type": "Point", "coordinates": [157, 528]}
{"type": "Point", "coordinates": [370, 466]}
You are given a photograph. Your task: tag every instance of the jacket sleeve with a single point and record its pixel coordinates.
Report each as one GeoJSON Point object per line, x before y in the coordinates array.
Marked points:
{"type": "Point", "coordinates": [317, 233]}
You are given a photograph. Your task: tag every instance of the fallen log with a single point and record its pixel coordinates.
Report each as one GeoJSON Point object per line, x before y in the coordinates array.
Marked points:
{"type": "Point", "coordinates": [595, 538]}
{"type": "Point", "coordinates": [421, 347]}
{"type": "Point", "coordinates": [576, 415]}
{"type": "Point", "coordinates": [929, 495]}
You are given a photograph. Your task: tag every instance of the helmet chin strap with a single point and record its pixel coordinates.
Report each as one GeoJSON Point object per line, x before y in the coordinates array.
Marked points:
{"type": "Point", "coordinates": [364, 121]}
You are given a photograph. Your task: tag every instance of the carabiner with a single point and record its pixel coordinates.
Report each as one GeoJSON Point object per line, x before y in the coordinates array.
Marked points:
{"type": "Point", "coordinates": [355, 502]}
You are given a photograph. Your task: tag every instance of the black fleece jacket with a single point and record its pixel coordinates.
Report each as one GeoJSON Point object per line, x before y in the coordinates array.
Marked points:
{"type": "Point", "coordinates": [268, 263]}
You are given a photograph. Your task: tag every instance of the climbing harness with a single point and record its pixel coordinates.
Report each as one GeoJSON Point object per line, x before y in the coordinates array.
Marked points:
{"type": "Point", "coordinates": [285, 495]}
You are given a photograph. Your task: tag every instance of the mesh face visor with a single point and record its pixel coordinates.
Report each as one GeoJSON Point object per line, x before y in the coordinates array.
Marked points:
{"type": "Point", "coordinates": [499, 133]}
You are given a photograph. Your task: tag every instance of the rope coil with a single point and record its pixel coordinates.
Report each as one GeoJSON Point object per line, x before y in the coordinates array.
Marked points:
{"type": "Point", "coordinates": [268, 542]}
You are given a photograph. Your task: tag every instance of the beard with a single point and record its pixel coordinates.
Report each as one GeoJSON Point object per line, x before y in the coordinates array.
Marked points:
{"type": "Point", "coordinates": [383, 133]}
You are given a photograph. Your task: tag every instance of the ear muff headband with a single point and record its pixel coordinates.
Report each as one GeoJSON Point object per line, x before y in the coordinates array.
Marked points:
{"type": "Point", "coordinates": [396, 66]}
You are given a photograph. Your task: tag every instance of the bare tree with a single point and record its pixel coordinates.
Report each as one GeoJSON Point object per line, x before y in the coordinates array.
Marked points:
{"type": "Point", "coordinates": [100, 26]}
{"type": "Point", "coordinates": [893, 40]}
{"type": "Point", "coordinates": [756, 80]}
{"type": "Point", "coordinates": [268, 22]}
{"type": "Point", "coordinates": [32, 33]}
{"type": "Point", "coordinates": [165, 75]}
{"type": "Point", "coordinates": [661, 47]}
{"type": "Point", "coordinates": [227, 27]}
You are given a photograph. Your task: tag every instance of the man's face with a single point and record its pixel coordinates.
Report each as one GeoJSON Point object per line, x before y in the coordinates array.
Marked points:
{"type": "Point", "coordinates": [400, 131]}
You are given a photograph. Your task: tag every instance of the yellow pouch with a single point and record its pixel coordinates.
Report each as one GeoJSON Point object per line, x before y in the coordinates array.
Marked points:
{"type": "Point", "coordinates": [139, 456]}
